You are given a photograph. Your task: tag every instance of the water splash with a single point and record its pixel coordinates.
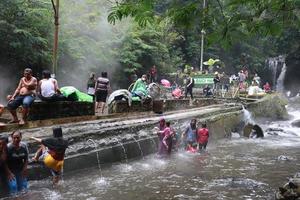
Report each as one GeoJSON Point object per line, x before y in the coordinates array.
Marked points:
{"type": "Point", "coordinates": [139, 145]}
{"type": "Point", "coordinates": [124, 150]}
{"type": "Point", "coordinates": [94, 145]}
{"type": "Point", "coordinates": [247, 116]}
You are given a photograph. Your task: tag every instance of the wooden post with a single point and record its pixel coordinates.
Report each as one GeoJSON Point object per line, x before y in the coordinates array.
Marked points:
{"type": "Point", "coordinates": [55, 42]}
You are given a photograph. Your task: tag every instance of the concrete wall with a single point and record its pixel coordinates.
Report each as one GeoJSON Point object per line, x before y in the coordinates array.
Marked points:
{"type": "Point", "coordinates": [109, 140]}
{"type": "Point", "coordinates": [51, 110]}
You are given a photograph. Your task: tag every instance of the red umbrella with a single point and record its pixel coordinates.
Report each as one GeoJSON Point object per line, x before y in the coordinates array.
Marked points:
{"type": "Point", "coordinates": [165, 83]}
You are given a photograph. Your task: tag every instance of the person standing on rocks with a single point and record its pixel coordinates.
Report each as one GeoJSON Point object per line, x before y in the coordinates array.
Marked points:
{"type": "Point", "coordinates": [52, 153]}
{"type": "Point", "coordinates": [102, 88]}
{"type": "Point", "coordinates": [91, 85]}
{"type": "Point", "coordinates": [189, 86]}
{"type": "Point", "coordinates": [24, 95]}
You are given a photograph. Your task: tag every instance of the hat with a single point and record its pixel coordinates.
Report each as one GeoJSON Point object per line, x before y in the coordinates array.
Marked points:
{"type": "Point", "coordinates": [57, 132]}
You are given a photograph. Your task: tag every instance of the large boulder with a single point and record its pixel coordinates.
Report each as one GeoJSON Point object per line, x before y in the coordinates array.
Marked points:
{"type": "Point", "coordinates": [296, 123]}
{"type": "Point", "coordinates": [295, 102]}
{"type": "Point", "coordinates": [271, 106]}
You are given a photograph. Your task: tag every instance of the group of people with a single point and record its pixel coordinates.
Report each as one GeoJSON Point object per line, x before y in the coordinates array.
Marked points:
{"type": "Point", "coordinates": [99, 89]}
{"type": "Point", "coordinates": [193, 138]}
{"type": "Point", "coordinates": [28, 89]}
{"type": "Point", "coordinates": [47, 89]}
{"type": "Point", "coordinates": [14, 159]}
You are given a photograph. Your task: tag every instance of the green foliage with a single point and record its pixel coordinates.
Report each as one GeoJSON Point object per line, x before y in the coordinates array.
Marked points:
{"type": "Point", "coordinates": [226, 20]}
{"type": "Point", "coordinates": [148, 46]}
{"type": "Point", "coordinates": [24, 32]}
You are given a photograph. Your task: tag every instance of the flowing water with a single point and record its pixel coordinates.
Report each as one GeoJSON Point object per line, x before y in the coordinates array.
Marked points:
{"type": "Point", "coordinates": [238, 168]}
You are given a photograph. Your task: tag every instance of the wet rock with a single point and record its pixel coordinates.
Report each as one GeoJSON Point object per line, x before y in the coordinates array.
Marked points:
{"type": "Point", "coordinates": [247, 130]}
{"type": "Point", "coordinates": [283, 158]}
{"type": "Point", "coordinates": [290, 190]}
{"type": "Point", "coordinates": [272, 133]}
{"type": "Point", "coordinates": [296, 123]}
{"type": "Point", "coordinates": [274, 130]}
{"type": "Point", "coordinates": [271, 106]}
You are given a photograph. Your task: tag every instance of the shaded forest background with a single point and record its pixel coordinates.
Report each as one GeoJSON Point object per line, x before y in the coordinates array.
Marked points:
{"type": "Point", "coordinates": [141, 34]}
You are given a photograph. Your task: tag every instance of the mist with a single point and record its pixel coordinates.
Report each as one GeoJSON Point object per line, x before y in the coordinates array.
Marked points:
{"type": "Point", "coordinates": [92, 42]}
{"type": "Point", "coordinates": [9, 80]}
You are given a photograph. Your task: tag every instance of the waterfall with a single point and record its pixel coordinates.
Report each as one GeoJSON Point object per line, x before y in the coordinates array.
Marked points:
{"type": "Point", "coordinates": [276, 65]}
{"type": "Point", "coordinates": [247, 116]}
{"type": "Point", "coordinates": [280, 80]}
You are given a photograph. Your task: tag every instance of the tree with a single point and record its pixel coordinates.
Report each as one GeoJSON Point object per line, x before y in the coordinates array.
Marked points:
{"type": "Point", "coordinates": [226, 20]}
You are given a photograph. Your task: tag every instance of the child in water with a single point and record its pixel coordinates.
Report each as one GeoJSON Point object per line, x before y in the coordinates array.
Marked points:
{"type": "Point", "coordinates": [160, 134]}
{"type": "Point", "coordinates": [167, 134]}
{"type": "Point", "coordinates": [202, 137]}
{"type": "Point", "coordinates": [189, 136]}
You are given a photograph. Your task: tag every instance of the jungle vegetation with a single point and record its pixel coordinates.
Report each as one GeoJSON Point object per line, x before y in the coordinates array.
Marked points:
{"type": "Point", "coordinates": [129, 36]}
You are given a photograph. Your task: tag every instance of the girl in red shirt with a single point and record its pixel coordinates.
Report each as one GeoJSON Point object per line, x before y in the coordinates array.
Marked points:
{"type": "Point", "coordinates": [202, 137]}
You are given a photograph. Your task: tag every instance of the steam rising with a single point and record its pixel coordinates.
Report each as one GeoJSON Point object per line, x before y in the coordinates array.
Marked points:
{"type": "Point", "coordinates": [8, 82]}
{"type": "Point", "coordinates": [91, 40]}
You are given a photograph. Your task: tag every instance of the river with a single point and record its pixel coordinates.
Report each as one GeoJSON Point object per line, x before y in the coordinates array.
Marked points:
{"type": "Point", "coordinates": [236, 168]}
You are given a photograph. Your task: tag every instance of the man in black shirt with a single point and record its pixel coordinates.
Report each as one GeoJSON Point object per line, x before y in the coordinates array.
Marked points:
{"type": "Point", "coordinates": [52, 153]}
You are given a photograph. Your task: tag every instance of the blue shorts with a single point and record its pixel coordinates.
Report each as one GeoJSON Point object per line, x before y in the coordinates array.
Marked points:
{"type": "Point", "coordinates": [25, 101]}
{"type": "Point", "coordinates": [17, 184]}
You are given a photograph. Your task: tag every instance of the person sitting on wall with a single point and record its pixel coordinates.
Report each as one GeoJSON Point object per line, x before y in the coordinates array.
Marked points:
{"type": "Point", "coordinates": [267, 87]}
{"type": "Point", "coordinates": [140, 87]}
{"type": "Point", "coordinates": [48, 88]}
{"type": "Point", "coordinates": [52, 153]}
{"type": "Point", "coordinates": [207, 91]}
{"type": "Point", "coordinates": [24, 95]}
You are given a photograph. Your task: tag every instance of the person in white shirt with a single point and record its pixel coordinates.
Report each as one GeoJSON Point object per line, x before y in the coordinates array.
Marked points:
{"type": "Point", "coordinates": [48, 88]}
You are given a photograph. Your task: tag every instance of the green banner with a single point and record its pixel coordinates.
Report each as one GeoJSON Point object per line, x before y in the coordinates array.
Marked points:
{"type": "Point", "coordinates": [203, 81]}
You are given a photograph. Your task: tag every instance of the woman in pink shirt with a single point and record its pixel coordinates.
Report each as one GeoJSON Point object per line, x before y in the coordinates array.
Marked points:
{"type": "Point", "coordinates": [167, 139]}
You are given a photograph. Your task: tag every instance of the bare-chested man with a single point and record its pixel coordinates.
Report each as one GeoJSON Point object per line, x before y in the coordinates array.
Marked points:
{"type": "Point", "coordinates": [24, 95]}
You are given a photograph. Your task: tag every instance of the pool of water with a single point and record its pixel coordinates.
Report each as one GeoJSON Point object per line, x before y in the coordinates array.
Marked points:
{"type": "Point", "coordinates": [231, 169]}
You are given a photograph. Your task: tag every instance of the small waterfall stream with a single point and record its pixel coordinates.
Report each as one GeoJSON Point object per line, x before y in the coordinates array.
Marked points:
{"type": "Point", "coordinates": [276, 65]}
{"type": "Point", "coordinates": [280, 80]}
